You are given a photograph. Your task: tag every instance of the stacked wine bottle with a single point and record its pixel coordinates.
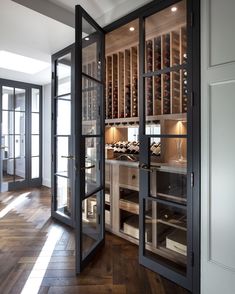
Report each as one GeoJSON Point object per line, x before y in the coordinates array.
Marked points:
{"type": "Point", "coordinates": [149, 81]}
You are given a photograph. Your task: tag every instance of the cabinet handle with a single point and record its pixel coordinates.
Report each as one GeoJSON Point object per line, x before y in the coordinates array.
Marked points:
{"type": "Point", "coordinates": [68, 157]}
{"type": "Point", "coordinates": [88, 167]}
{"type": "Point", "coordinates": [145, 168]}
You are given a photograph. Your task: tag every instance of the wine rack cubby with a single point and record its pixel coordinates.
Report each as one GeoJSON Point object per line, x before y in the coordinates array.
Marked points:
{"type": "Point", "coordinates": [165, 93]}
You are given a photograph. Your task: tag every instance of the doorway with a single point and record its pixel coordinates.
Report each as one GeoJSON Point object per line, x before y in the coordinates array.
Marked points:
{"type": "Point", "coordinates": [20, 158]}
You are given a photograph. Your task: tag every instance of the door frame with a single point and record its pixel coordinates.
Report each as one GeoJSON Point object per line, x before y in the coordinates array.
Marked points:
{"type": "Point", "coordinates": [70, 221]}
{"type": "Point", "coordinates": [194, 43]}
{"type": "Point", "coordinates": [28, 182]}
{"type": "Point", "coordinates": [79, 141]}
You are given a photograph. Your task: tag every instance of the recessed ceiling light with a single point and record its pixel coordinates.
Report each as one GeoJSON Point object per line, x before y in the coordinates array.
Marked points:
{"type": "Point", "coordinates": [174, 9]}
{"type": "Point", "coordinates": [16, 62]}
{"type": "Point", "coordinates": [87, 39]}
{"type": "Point", "coordinates": [131, 29]}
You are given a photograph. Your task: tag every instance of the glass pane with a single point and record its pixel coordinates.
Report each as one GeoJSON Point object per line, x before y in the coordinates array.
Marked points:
{"type": "Point", "coordinates": [92, 162]}
{"type": "Point", "coordinates": [20, 169]}
{"type": "Point", "coordinates": [91, 97]}
{"type": "Point", "coordinates": [8, 170]}
{"type": "Point", "coordinates": [63, 117]}
{"type": "Point", "coordinates": [64, 197]}
{"type": "Point", "coordinates": [62, 147]}
{"type": "Point", "coordinates": [35, 145]}
{"type": "Point", "coordinates": [168, 159]}
{"type": "Point", "coordinates": [7, 98]}
{"type": "Point", "coordinates": [8, 144]}
{"type": "Point", "coordinates": [91, 234]}
{"type": "Point", "coordinates": [35, 100]}
{"type": "Point", "coordinates": [64, 74]}
{"type": "Point", "coordinates": [35, 167]}
{"type": "Point", "coordinates": [35, 123]}
{"type": "Point", "coordinates": [91, 55]}
{"type": "Point", "coordinates": [166, 235]}
{"type": "Point", "coordinates": [19, 99]}
{"type": "Point", "coordinates": [166, 45]}
{"type": "Point", "coordinates": [19, 146]}
{"type": "Point", "coordinates": [19, 123]}
{"type": "Point", "coordinates": [7, 122]}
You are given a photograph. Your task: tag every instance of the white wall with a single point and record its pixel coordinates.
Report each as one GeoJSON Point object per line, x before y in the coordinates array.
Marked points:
{"type": "Point", "coordinates": [217, 147]}
{"type": "Point", "coordinates": [46, 140]}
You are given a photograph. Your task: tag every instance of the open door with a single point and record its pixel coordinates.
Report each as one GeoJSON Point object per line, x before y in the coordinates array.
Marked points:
{"type": "Point", "coordinates": [89, 137]}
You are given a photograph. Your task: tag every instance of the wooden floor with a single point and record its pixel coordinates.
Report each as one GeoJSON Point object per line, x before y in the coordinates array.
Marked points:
{"type": "Point", "coordinates": [37, 255]}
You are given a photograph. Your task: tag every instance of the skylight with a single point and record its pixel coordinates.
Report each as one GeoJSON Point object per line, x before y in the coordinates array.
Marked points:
{"type": "Point", "coordinates": [21, 63]}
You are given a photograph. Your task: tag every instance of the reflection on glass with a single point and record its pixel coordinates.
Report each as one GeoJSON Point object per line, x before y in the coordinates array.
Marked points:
{"type": "Point", "coordinates": [19, 146]}
{"type": "Point", "coordinates": [91, 97]}
{"type": "Point", "coordinates": [19, 169]}
{"type": "Point", "coordinates": [62, 148]}
{"type": "Point", "coordinates": [8, 170]}
{"type": "Point", "coordinates": [34, 167]}
{"type": "Point", "coordinates": [7, 98]}
{"type": "Point", "coordinates": [63, 117]}
{"type": "Point", "coordinates": [92, 169]}
{"type": "Point", "coordinates": [90, 223]}
{"type": "Point", "coordinates": [35, 145]}
{"type": "Point", "coordinates": [166, 234]}
{"type": "Point", "coordinates": [35, 100]}
{"type": "Point", "coordinates": [19, 123]}
{"type": "Point", "coordinates": [35, 123]}
{"type": "Point", "coordinates": [64, 75]}
{"type": "Point", "coordinates": [19, 99]}
{"type": "Point", "coordinates": [8, 144]}
{"type": "Point", "coordinates": [91, 54]}
{"type": "Point", "coordinates": [63, 188]}
{"type": "Point", "coordinates": [7, 122]}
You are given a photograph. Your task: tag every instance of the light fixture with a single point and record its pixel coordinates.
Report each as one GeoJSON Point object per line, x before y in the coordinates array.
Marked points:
{"type": "Point", "coordinates": [16, 62]}
{"type": "Point", "coordinates": [87, 39]}
{"type": "Point", "coordinates": [174, 9]}
{"type": "Point", "coordinates": [131, 29]}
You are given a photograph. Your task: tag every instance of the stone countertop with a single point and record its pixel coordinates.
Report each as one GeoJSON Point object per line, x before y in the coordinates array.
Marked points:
{"type": "Point", "coordinates": [171, 166]}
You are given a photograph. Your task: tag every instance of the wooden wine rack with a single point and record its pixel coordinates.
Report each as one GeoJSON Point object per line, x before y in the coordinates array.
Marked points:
{"type": "Point", "coordinates": [165, 93]}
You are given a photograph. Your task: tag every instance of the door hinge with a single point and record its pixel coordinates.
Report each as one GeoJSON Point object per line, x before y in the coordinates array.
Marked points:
{"type": "Point", "coordinates": [192, 180]}
{"type": "Point", "coordinates": [52, 75]}
{"type": "Point", "coordinates": [192, 99]}
{"type": "Point", "coordinates": [52, 116]}
{"type": "Point", "coordinates": [99, 164]}
{"type": "Point", "coordinates": [192, 19]}
{"type": "Point", "coordinates": [192, 258]}
{"type": "Point", "coordinates": [51, 157]}
{"type": "Point", "coordinates": [99, 219]}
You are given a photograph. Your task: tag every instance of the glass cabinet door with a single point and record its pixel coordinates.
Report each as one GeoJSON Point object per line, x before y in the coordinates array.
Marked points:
{"type": "Point", "coordinates": [89, 133]}
{"type": "Point", "coordinates": [165, 155]}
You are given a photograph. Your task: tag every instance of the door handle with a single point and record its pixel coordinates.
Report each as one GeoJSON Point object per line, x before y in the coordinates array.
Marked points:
{"type": "Point", "coordinates": [88, 167]}
{"type": "Point", "coordinates": [68, 156]}
{"type": "Point", "coordinates": [145, 168]}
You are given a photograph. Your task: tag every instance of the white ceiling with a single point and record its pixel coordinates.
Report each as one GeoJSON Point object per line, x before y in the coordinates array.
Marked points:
{"type": "Point", "coordinates": [29, 33]}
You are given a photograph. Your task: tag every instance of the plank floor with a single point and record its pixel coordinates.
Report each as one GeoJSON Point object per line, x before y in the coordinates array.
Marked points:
{"type": "Point", "coordinates": [37, 255]}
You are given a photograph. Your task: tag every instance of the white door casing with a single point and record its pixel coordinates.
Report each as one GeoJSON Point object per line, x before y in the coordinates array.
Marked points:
{"type": "Point", "coordinates": [217, 147]}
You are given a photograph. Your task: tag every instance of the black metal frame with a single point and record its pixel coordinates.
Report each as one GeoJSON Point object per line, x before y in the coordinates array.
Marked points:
{"type": "Point", "coordinates": [80, 139]}
{"type": "Point", "coordinates": [70, 221]}
{"type": "Point", "coordinates": [193, 21]}
{"type": "Point", "coordinates": [28, 182]}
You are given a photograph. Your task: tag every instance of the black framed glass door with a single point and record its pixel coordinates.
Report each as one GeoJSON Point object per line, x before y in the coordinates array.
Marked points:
{"type": "Point", "coordinates": [20, 158]}
{"type": "Point", "coordinates": [63, 156]}
{"type": "Point", "coordinates": [89, 134]}
{"type": "Point", "coordinates": [165, 121]}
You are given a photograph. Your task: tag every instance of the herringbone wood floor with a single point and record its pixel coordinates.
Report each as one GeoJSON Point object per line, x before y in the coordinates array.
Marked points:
{"type": "Point", "coordinates": [25, 227]}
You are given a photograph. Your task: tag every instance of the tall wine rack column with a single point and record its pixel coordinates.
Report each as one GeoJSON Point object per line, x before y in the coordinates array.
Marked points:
{"type": "Point", "coordinates": [115, 86]}
{"type": "Point", "coordinates": [121, 92]}
{"type": "Point", "coordinates": [127, 84]}
{"type": "Point", "coordinates": [149, 81]}
{"type": "Point", "coordinates": [183, 60]}
{"type": "Point", "coordinates": [134, 82]}
{"type": "Point", "coordinates": [157, 79]}
{"type": "Point", "coordinates": [109, 97]}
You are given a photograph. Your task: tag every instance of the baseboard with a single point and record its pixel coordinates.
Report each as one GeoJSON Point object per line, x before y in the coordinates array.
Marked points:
{"type": "Point", "coordinates": [46, 182]}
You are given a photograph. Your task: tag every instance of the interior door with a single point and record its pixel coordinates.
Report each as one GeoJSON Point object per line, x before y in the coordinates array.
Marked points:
{"type": "Point", "coordinates": [165, 120]}
{"type": "Point", "coordinates": [63, 165]}
{"type": "Point", "coordinates": [89, 134]}
{"type": "Point", "coordinates": [13, 138]}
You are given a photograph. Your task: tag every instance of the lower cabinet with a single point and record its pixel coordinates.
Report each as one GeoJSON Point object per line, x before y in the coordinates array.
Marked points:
{"type": "Point", "coordinates": [166, 222]}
